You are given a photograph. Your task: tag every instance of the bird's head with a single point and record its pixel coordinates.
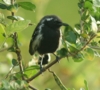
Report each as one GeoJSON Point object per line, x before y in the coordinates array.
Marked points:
{"type": "Point", "coordinates": [52, 21]}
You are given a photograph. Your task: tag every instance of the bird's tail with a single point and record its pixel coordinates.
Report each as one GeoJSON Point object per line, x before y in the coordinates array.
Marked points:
{"type": "Point", "coordinates": [45, 59]}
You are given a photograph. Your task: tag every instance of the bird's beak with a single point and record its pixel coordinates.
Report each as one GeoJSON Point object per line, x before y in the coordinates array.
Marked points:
{"type": "Point", "coordinates": [64, 24]}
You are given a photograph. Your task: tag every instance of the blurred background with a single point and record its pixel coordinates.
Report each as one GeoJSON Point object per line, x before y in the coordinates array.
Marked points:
{"type": "Point", "coordinates": [71, 73]}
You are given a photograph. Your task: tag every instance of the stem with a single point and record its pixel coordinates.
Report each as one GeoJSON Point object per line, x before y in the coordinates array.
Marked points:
{"type": "Point", "coordinates": [12, 13]}
{"type": "Point", "coordinates": [9, 72]}
{"type": "Point", "coordinates": [18, 52]}
{"type": "Point", "coordinates": [58, 59]}
{"type": "Point", "coordinates": [44, 69]}
{"type": "Point", "coordinates": [32, 87]}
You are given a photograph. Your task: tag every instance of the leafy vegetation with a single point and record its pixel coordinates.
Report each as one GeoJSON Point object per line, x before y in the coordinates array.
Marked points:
{"type": "Point", "coordinates": [79, 43]}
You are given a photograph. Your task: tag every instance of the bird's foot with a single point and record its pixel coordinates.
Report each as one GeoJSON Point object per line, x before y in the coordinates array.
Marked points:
{"type": "Point", "coordinates": [41, 69]}
{"type": "Point", "coordinates": [57, 58]}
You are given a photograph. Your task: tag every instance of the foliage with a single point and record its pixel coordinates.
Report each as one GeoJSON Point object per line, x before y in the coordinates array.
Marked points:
{"type": "Point", "coordinates": [79, 43]}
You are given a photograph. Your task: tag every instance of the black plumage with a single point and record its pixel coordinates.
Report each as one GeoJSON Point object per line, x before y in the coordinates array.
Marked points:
{"type": "Point", "coordinates": [46, 36]}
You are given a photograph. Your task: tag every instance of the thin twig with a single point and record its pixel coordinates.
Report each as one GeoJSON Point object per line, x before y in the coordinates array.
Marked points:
{"type": "Point", "coordinates": [32, 87]}
{"type": "Point", "coordinates": [1, 50]}
{"type": "Point", "coordinates": [18, 52]}
{"type": "Point", "coordinates": [12, 13]}
{"type": "Point", "coordinates": [88, 42]}
{"type": "Point", "coordinates": [9, 72]}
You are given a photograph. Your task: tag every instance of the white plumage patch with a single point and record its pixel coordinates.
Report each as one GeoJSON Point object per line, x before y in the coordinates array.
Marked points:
{"type": "Point", "coordinates": [40, 28]}
{"type": "Point", "coordinates": [49, 58]}
{"type": "Point", "coordinates": [49, 19]}
{"type": "Point", "coordinates": [38, 38]}
{"type": "Point", "coordinates": [60, 40]}
{"type": "Point", "coordinates": [37, 41]}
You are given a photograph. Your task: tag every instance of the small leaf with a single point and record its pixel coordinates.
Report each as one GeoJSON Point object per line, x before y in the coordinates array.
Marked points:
{"type": "Point", "coordinates": [19, 18]}
{"type": "Point", "coordinates": [78, 57]}
{"type": "Point", "coordinates": [17, 26]}
{"type": "Point", "coordinates": [1, 17]}
{"type": "Point", "coordinates": [94, 26]}
{"type": "Point", "coordinates": [12, 17]}
{"type": "Point", "coordinates": [67, 28]}
{"type": "Point", "coordinates": [62, 52]}
{"type": "Point", "coordinates": [71, 37]}
{"type": "Point", "coordinates": [88, 5]}
{"type": "Point", "coordinates": [72, 48]}
{"type": "Point", "coordinates": [13, 8]}
{"type": "Point", "coordinates": [3, 6]}
{"type": "Point", "coordinates": [58, 81]}
{"type": "Point", "coordinates": [14, 62]}
{"type": "Point", "coordinates": [27, 5]}
{"type": "Point", "coordinates": [15, 18]}
{"type": "Point", "coordinates": [89, 54]}
{"type": "Point", "coordinates": [78, 26]}
{"type": "Point", "coordinates": [2, 30]}
{"type": "Point", "coordinates": [84, 35]}
{"type": "Point", "coordinates": [11, 49]}
{"type": "Point", "coordinates": [96, 3]}
{"type": "Point", "coordinates": [47, 89]}
{"type": "Point", "coordinates": [86, 85]}
{"type": "Point", "coordinates": [7, 2]}
{"type": "Point", "coordinates": [30, 71]}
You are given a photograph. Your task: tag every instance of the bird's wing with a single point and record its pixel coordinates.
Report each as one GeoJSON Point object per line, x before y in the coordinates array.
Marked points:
{"type": "Point", "coordinates": [36, 39]}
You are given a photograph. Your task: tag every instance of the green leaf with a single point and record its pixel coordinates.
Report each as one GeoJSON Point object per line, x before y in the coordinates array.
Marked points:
{"type": "Point", "coordinates": [88, 4]}
{"type": "Point", "coordinates": [84, 35]}
{"type": "Point", "coordinates": [3, 6]}
{"type": "Point", "coordinates": [7, 2]}
{"type": "Point", "coordinates": [71, 37]}
{"type": "Point", "coordinates": [78, 57]}
{"type": "Point", "coordinates": [47, 89]}
{"type": "Point", "coordinates": [67, 28]}
{"type": "Point", "coordinates": [72, 48]}
{"type": "Point", "coordinates": [89, 54]}
{"type": "Point", "coordinates": [86, 85]}
{"type": "Point", "coordinates": [14, 62]}
{"type": "Point", "coordinates": [17, 26]}
{"type": "Point", "coordinates": [15, 18]}
{"type": "Point", "coordinates": [1, 17]}
{"type": "Point", "coordinates": [27, 5]}
{"type": "Point", "coordinates": [78, 26]}
{"type": "Point", "coordinates": [58, 81]}
{"type": "Point", "coordinates": [2, 29]}
{"type": "Point", "coordinates": [13, 8]}
{"type": "Point", "coordinates": [62, 52]}
{"type": "Point", "coordinates": [96, 3]}
{"type": "Point", "coordinates": [11, 49]}
{"type": "Point", "coordinates": [94, 26]}
{"type": "Point", "coordinates": [12, 17]}
{"type": "Point", "coordinates": [30, 71]}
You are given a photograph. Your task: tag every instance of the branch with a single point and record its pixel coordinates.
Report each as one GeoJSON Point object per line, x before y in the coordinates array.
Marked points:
{"type": "Point", "coordinates": [92, 37]}
{"type": "Point", "coordinates": [18, 53]}
{"type": "Point", "coordinates": [58, 59]}
{"type": "Point", "coordinates": [44, 69]}
{"type": "Point", "coordinates": [1, 50]}
{"type": "Point", "coordinates": [9, 72]}
{"type": "Point", "coordinates": [32, 87]}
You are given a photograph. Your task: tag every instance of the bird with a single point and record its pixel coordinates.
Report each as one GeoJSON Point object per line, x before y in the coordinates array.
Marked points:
{"type": "Point", "coordinates": [46, 37]}
{"type": "Point", "coordinates": [45, 60]}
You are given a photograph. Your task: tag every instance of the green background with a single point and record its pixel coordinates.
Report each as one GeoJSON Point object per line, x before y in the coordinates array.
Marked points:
{"type": "Point", "coordinates": [71, 73]}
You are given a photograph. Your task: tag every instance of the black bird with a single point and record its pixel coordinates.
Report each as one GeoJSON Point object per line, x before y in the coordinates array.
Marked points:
{"type": "Point", "coordinates": [46, 37]}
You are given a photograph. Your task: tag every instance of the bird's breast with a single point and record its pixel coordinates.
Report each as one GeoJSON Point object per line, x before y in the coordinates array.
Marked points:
{"type": "Point", "coordinates": [50, 41]}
